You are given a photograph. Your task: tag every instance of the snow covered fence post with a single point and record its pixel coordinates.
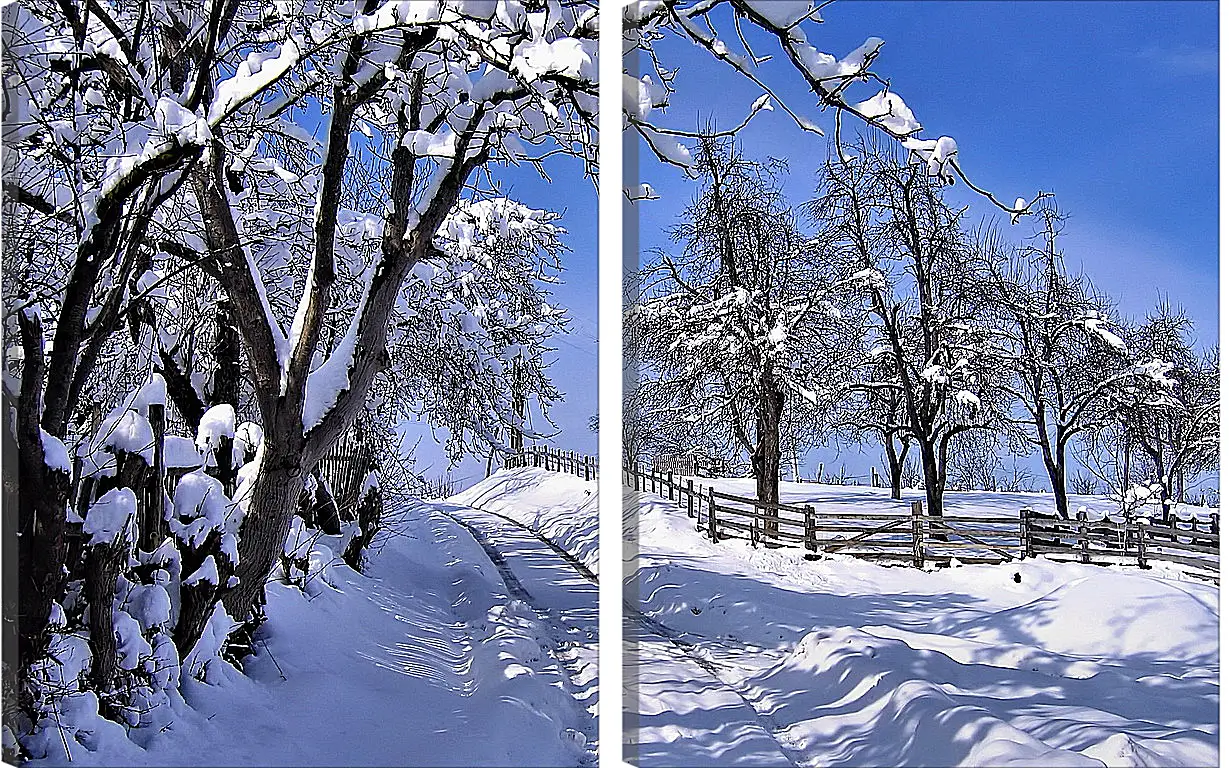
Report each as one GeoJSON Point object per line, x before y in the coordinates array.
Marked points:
{"type": "Point", "coordinates": [1082, 532]}
{"type": "Point", "coordinates": [809, 540]}
{"type": "Point", "coordinates": [919, 545]}
{"type": "Point", "coordinates": [1026, 544]}
{"type": "Point", "coordinates": [670, 484]}
{"type": "Point", "coordinates": [691, 498]}
{"type": "Point", "coordinates": [1142, 540]}
{"type": "Point", "coordinates": [712, 516]}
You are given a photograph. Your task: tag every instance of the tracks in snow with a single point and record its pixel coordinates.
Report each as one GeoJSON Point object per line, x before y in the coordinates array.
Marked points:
{"type": "Point", "coordinates": [561, 592]}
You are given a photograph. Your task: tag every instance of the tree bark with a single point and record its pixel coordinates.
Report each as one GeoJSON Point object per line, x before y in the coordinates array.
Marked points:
{"type": "Point", "coordinates": [766, 461]}
{"type": "Point", "coordinates": [896, 463]}
{"type": "Point", "coordinates": [932, 477]}
{"type": "Point", "coordinates": [275, 496]}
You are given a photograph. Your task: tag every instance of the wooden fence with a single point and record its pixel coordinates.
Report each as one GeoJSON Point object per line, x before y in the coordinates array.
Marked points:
{"type": "Point", "coordinates": [916, 538]}
{"type": "Point", "coordinates": [556, 460]}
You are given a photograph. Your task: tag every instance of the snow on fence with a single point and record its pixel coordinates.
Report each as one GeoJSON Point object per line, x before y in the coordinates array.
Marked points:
{"type": "Point", "coordinates": [556, 460]}
{"type": "Point", "coordinates": [916, 538]}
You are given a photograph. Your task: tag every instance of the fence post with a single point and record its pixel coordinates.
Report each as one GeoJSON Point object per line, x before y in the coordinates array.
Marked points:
{"type": "Point", "coordinates": [1081, 518]}
{"type": "Point", "coordinates": [1215, 524]}
{"type": "Point", "coordinates": [809, 540]}
{"type": "Point", "coordinates": [755, 521]}
{"type": "Point", "coordinates": [691, 497]}
{"type": "Point", "coordinates": [1026, 543]}
{"type": "Point", "coordinates": [588, 460]}
{"type": "Point", "coordinates": [919, 545]}
{"type": "Point", "coordinates": [1143, 541]}
{"type": "Point", "coordinates": [874, 477]}
{"type": "Point", "coordinates": [712, 517]}
{"type": "Point", "coordinates": [700, 509]}
{"type": "Point", "coordinates": [819, 475]}
{"type": "Point", "coordinates": [670, 483]}
{"type": "Point", "coordinates": [152, 530]}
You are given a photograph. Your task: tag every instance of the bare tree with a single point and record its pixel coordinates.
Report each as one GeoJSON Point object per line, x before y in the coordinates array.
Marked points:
{"type": "Point", "coordinates": [924, 296]}
{"type": "Point", "coordinates": [1055, 336]}
{"type": "Point", "coordinates": [745, 312]}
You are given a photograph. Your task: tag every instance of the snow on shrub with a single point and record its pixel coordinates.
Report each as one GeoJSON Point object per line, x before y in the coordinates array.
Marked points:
{"type": "Point", "coordinates": [111, 515]}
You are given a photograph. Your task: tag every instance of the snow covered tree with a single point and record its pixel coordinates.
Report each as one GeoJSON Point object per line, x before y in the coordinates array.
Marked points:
{"type": "Point", "coordinates": [925, 295]}
{"type": "Point", "coordinates": [1054, 334]}
{"type": "Point", "coordinates": [746, 311]}
{"type": "Point", "coordinates": [1170, 416]}
{"type": "Point", "coordinates": [152, 140]}
{"type": "Point", "coordinates": [444, 90]}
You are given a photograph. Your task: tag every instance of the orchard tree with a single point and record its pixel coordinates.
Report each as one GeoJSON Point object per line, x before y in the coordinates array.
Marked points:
{"type": "Point", "coordinates": [1171, 417]}
{"type": "Point", "coordinates": [746, 310]}
{"type": "Point", "coordinates": [925, 297]}
{"type": "Point", "coordinates": [1055, 336]}
{"type": "Point", "coordinates": [875, 406]}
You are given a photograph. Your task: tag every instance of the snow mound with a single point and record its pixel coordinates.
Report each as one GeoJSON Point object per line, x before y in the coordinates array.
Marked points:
{"type": "Point", "coordinates": [1109, 614]}
{"type": "Point", "coordinates": [852, 697]}
{"type": "Point", "coordinates": [561, 507]}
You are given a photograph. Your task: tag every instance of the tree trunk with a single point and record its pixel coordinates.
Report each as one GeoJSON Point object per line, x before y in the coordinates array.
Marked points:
{"type": "Point", "coordinates": [1056, 468]}
{"type": "Point", "coordinates": [896, 464]}
{"type": "Point", "coordinates": [933, 479]}
{"type": "Point", "coordinates": [766, 461]}
{"type": "Point", "coordinates": [103, 565]}
{"type": "Point", "coordinates": [275, 495]}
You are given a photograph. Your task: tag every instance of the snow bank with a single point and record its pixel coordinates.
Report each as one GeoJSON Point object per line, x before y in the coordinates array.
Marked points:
{"type": "Point", "coordinates": [561, 507]}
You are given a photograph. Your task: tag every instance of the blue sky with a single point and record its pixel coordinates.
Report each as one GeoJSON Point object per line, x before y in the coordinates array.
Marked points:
{"type": "Point", "coordinates": [1110, 105]}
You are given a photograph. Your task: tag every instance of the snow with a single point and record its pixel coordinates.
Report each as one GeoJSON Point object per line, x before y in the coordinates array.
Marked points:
{"type": "Point", "coordinates": [559, 506]}
{"type": "Point", "coordinates": [126, 432]}
{"type": "Point", "coordinates": [777, 660]}
{"type": "Point", "coordinates": [207, 573]}
{"type": "Point", "coordinates": [781, 13]}
{"type": "Point", "coordinates": [181, 453]}
{"type": "Point", "coordinates": [55, 455]}
{"type": "Point", "coordinates": [436, 657]}
{"type": "Point", "coordinates": [110, 516]}
{"type": "Point", "coordinates": [1095, 324]}
{"type": "Point", "coordinates": [217, 423]}
{"type": "Point", "coordinates": [889, 110]}
{"type": "Point", "coordinates": [152, 392]}
{"type": "Point", "coordinates": [252, 76]}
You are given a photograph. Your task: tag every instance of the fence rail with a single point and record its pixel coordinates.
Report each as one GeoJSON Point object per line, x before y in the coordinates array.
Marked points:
{"type": "Point", "coordinates": [918, 538]}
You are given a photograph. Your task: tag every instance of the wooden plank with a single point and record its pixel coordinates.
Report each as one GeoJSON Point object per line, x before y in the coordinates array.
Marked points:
{"type": "Point", "coordinates": [757, 516]}
{"type": "Point", "coordinates": [872, 532]}
{"type": "Point", "coordinates": [1178, 533]}
{"type": "Point", "coordinates": [754, 503]}
{"type": "Point", "coordinates": [1162, 545]}
{"type": "Point", "coordinates": [861, 516]}
{"type": "Point", "coordinates": [1211, 565]}
{"type": "Point", "coordinates": [1014, 521]}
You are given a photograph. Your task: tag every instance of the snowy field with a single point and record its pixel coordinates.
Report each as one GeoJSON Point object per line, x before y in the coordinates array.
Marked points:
{"type": "Point", "coordinates": [756, 657]}
{"type": "Point", "coordinates": [438, 656]}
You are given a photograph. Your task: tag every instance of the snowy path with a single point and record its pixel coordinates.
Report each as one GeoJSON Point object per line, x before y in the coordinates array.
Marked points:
{"type": "Point", "coordinates": [561, 591]}
{"type": "Point", "coordinates": [433, 658]}
{"type": "Point", "coordinates": [842, 662]}
{"type": "Point", "coordinates": [691, 707]}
